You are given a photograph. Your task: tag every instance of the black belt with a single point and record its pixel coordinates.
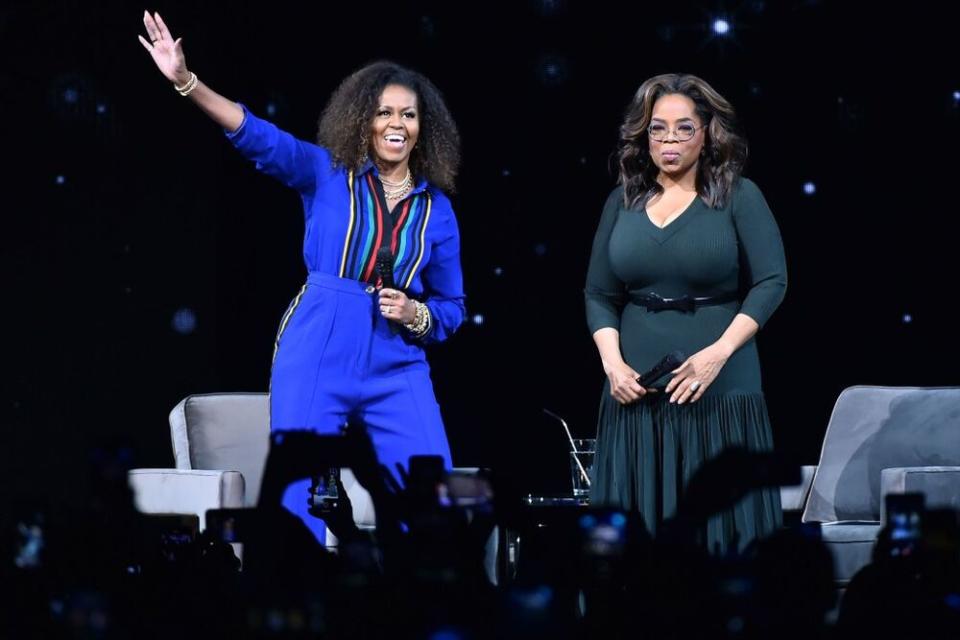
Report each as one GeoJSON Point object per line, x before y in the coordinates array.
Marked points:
{"type": "Point", "coordinates": [689, 304]}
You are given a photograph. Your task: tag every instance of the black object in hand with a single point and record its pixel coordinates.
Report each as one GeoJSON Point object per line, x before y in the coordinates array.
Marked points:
{"type": "Point", "coordinates": [669, 362]}
{"type": "Point", "coordinates": [385, 267]}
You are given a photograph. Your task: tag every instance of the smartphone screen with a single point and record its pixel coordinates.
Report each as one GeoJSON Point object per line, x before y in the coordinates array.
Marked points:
{"type": "Point", "coordinates": [604, 533]}
{"type": "Point", "coordinates": [466, 490]}
{"type": "Point", "coordinates": [30, 544]}
{"type": "Point", "coordinates": [229, 525]}
{"type": "Point", "coordinates": [904, 523]}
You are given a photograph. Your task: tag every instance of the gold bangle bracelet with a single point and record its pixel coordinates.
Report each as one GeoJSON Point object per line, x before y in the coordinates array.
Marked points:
{"type": "Point", "coordinates": [188, 86]}
{"type": "Point", "coordinates": [421, 322]}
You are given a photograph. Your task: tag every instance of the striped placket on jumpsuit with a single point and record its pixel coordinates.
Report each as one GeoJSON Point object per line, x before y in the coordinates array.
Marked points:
{"type": "Point", "coordinates": [336, 357]}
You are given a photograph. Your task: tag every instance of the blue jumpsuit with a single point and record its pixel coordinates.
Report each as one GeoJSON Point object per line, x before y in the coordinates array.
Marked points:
{"type": "Point", "coordinates": [336, 357]}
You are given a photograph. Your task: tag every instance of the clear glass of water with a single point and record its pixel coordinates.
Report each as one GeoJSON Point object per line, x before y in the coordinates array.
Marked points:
{"type": "Point", "coordinates": [581, 465]}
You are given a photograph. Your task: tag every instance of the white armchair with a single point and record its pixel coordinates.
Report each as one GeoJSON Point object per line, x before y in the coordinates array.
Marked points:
{"type": "Point", "coordinates": [220, 446]}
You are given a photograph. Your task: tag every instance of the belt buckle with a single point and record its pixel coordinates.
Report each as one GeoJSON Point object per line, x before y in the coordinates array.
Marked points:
{"type": "Point", "coordinates": [685, 303]}
{"type": "Point", "coordinates": [655, 302]}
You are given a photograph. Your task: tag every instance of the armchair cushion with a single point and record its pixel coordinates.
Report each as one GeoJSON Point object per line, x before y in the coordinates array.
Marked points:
{"type": "Point", "coordinates": [851, 544]}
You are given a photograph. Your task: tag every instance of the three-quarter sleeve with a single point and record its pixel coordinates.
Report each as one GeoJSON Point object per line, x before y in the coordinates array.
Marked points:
{"type": "Point", "coordinates": [604, 294]}
{"type": "Point", "coordinates": [762, 261]}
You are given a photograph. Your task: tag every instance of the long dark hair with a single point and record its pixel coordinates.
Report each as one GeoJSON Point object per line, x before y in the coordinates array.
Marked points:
{"type": "Point", "coordinates": [344, 126]}
{"type": "Point", "coordinates": [724, 151]}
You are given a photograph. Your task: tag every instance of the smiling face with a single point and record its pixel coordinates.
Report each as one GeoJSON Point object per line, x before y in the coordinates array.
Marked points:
{"type": "Point", "coordinates": [674, 117]}
{"type": "Point", "coordinates": [395, 127]}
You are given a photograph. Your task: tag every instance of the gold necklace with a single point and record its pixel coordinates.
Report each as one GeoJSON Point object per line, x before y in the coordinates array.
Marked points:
{"type": "Point", "coordinates": [394, 184]}
{"type": "Point", "coordinates": [397, 190]}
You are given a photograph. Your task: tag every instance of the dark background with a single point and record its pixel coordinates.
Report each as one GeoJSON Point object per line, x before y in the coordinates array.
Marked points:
{"type": "Point", "coordinates": [124, 206]}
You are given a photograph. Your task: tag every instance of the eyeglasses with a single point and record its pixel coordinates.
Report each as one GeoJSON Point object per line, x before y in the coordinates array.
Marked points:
{"type": "Point", "coordinates": [684, 131]}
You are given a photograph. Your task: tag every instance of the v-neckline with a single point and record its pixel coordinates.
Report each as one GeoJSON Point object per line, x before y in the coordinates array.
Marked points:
{"type": "Point", "coordinates": [381, 195]}
{"type": "Point", "coordinates": [662, 234]}
{"type": "Point", "coordinates": [675, 217]}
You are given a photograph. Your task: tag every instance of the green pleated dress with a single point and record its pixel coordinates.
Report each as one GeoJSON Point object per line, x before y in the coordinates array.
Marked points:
{"type": "Point", "coordinates": [648, 451]}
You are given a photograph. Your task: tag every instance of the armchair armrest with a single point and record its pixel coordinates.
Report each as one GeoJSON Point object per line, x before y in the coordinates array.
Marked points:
{"type": "Point", "coordinates": [940, 486]}
{"type": "Point", "coordinates": [794, 498]}
{"type": "Point", "coordinates": [186, 490]}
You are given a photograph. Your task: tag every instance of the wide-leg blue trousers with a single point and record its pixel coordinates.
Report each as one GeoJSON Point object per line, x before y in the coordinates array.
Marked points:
{"type": "Point", "coordinates": [338, 359]}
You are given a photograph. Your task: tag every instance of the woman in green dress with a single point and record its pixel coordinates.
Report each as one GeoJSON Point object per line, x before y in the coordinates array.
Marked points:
{"type": "Point", "coordinates": [687, 257]}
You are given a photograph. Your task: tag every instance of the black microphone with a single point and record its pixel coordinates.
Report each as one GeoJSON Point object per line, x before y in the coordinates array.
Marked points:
{"type": "Point", "coordinates": [669, 362]}
{"type": "Point", "coordinates": [385, 267]}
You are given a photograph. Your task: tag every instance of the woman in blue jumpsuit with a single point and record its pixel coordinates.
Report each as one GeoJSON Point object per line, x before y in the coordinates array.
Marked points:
{"type": "Point", "coordinates": [349, 347]}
